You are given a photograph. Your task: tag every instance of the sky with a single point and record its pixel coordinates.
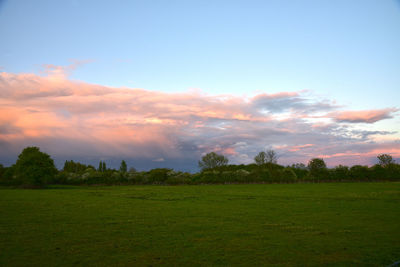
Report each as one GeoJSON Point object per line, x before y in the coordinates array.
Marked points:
{"type": "Point", "coordinates": [161, 83]}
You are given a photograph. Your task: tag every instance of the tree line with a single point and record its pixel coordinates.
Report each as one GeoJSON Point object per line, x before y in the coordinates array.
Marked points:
{"type": "Point", "coordinates": [35, 168]}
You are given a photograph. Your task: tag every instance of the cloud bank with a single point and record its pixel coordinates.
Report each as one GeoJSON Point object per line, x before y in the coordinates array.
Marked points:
{"type": "Point", "coordinates": [88, 122]}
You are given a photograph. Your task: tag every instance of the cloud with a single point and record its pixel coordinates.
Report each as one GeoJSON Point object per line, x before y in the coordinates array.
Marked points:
{"type": "Point", "coordinates": [77, 120]}
{"type": "Point", "coordinates": [56, 72]}
{"type": "Point", "coordinates": [290, 101]}
{"type": "Point", "coordinates": [365, 116]}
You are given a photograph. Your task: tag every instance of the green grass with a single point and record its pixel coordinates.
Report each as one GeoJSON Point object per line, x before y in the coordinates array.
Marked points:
{"type": "Point", "coordinates": [331, 224]}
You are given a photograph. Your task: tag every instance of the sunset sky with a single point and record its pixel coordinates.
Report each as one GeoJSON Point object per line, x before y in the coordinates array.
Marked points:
{"type": "Point", "coordinates": [161, 83]}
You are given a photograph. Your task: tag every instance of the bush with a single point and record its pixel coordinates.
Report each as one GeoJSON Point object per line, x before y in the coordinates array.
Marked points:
{"type": "Point", "coordinates": [358, 172]}
{"type": "Point", "coordinates": [210, 177]}
{"type": "Point", "coordinates": [288, 175]}
{"type": "Point", "coordinates": [339, 173]}
{"type": "Point", "coordinates": [377, 172]}
{"type": "Point", "coordinates": [159, 175]}
{"type": "Point", "coordinates": [393, 171]}
{"type": "Point", "coordinates": [300, 170]}
{"type": "Point", "coordinates": [175, 178]}
{"type": "Point", "coordinates": [34, 168]}
{"type": "Point", "coordinates": [8, 176]}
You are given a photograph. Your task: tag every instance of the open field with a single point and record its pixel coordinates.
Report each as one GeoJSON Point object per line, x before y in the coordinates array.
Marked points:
{"type": "Point", "coordinates": [332, 224]}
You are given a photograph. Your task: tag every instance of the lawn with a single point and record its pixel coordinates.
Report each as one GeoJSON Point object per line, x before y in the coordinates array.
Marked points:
{"type": "Point", "coordinates": [330, 224]}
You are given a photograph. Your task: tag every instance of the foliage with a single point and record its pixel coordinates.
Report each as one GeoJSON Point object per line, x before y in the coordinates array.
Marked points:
{"type": "Point", "coordinates": [300, 170]}
{"type": "Point", "coordinates": [75, 167]}
{"type": "Point", "coordinates": [339, 173]}
{"type": "Point", "coordinates": [272, 157]}
{"type": "Point", "coordinates": [123, 168]}
{"type": "Point", "coordinates": [385, 159]}
{"type": "Point", "coordinates": [102, 166]}
{"type": "Point", "coordinates": [288, 175]}
{"type": "Point", "coordinates": [159, 175]}
{"type": "Point", "coordinates": [212, 160]}
{"type": "Point", "coordinates": [358, 172]}
{"type": "Point", "coordinates": [217, 172]}
{"type": "Point", "coordinates": [317, 168]}
{"type": "Point", "coordinates": [269, 156]}
{"type": "Point", "coordinates": [2, 171]}
{"type": "Point", "coordinates": [261, 158]}
{"type": "Point", "coordinates": [34, 168]}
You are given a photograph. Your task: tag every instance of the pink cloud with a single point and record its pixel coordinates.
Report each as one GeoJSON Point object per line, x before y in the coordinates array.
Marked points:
{"type": "Point", "coordinates": [365, 116]}
{"type": "Point", "coordinates": [299, 147]}
{"type": "Point", "coordinates": [94, 119]}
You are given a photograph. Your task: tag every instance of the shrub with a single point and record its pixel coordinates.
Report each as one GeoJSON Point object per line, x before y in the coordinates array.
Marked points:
{"type": "Point", "coordinates": [300, 170]}
{"type": "Point", "coordinates": [242, 176]}
{"type": "Point", "coordinates": [339, 173]}
{"type": "Point", "coordinates": [175, 178]}
{"type": "Point", "coordinates": [210, 177]}
{"type": "Point", "coordinates": [158, 175]}
{"type": "Point", "coordinates": [393, 171]}
{"type": "Point", "coordinates": [358, 172]}
{"type": "Point", "coordinates": [377, 172]}
{"type": "Point", "coordinates": [288, 175]}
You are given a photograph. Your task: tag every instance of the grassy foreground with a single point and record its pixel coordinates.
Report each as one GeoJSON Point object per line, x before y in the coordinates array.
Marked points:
{"type": "Point", "coordinates": [332, 224]}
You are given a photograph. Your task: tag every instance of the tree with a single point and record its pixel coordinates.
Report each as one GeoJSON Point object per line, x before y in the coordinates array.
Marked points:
{"type": "Point", "coordinates": [74, 167]}
{"type": "Point", "coordinates": [272, 157]}
{"type": "Point", "coordinates": [261, 158]}
{"type": "Point", "coordinates": [102, 166]}
{"type": "Point", "coordinates": [34, 168]}
{"type": "Point", "coordinates": [212, 160]}
{"type": "Point", "coordinates": [269, 156]}
{"type": "Point", "coordinates": [123, 168]}
{"type": "Point", "coordinates": [385, 159]}
{"type": "Point", "coordinates": [317, 168]}
{"type": "Point", "coordinates": [2, 170]}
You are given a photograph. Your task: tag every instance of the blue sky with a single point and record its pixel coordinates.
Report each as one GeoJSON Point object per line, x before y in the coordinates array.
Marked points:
{"type": "Point", "coordinates": [348, 50]}
{"type": "Point", "coordinates": [344, 51]}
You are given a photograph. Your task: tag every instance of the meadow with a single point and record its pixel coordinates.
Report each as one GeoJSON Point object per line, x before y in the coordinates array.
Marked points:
{"type": "Point", "coordinates": [303, 224]}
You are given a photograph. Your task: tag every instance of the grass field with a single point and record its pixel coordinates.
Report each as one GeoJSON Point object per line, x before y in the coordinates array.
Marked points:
{"type": "Point", "coordinates": [331, 224]}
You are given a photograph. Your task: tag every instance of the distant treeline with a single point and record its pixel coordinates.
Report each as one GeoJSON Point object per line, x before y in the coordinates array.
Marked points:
{"type": "Point", "coordinates": [36, 169]}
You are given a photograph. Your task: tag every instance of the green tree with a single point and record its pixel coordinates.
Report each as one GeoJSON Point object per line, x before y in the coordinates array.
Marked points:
{"type": "Point", "coordinates": [272, 157]}
{"type": "Point", "coordinates": [34, 168]}
{"type": "Point", "coordinates": [385, 159]}
{"type": "Point", "coordinates": [212, 160]}
{"type": "Point", "coordinates": [317, 168]}
{"type": "Point", "coordinates": [102, 166]}
{"type": "Point", "coordinates": [123, 168]}
{"type": "Point", "coordinates": [269, 156]}
{"type": "Point", "coordinates": [261, 158]}
{"type": "Point", "coordinates": [2, 171]}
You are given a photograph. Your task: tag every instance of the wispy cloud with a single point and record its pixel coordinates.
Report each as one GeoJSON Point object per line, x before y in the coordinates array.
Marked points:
{"type": "Point", "coordinates": [365, 116]}
{"type": "Point", "coordinates": [77, 119]}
